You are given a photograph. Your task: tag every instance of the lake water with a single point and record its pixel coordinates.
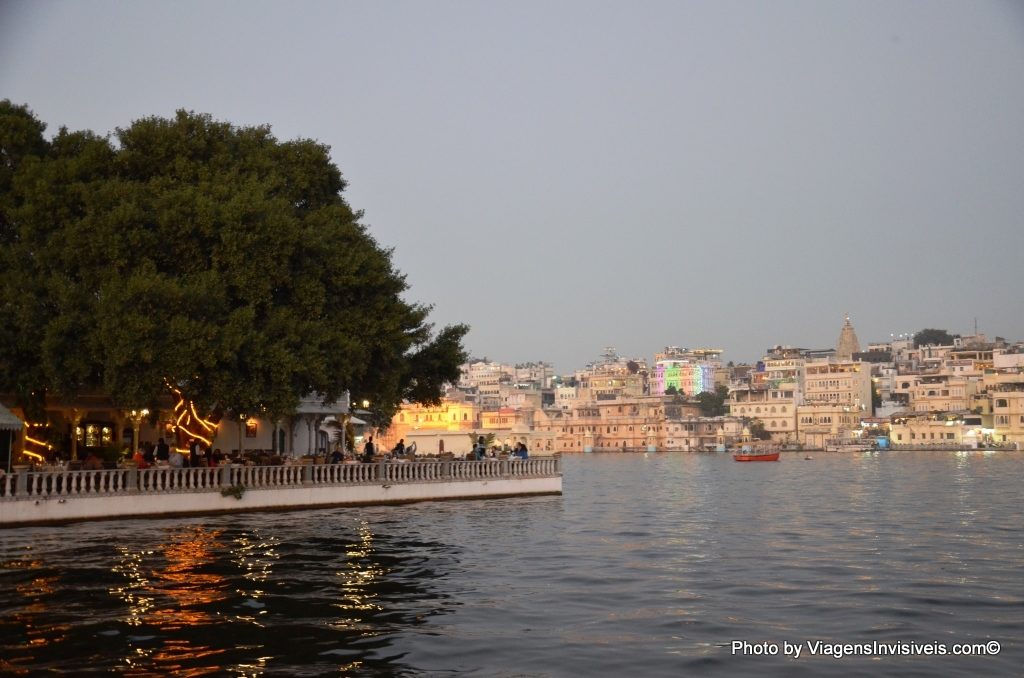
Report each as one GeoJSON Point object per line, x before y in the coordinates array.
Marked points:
{"type": "Point", "coordinates": [648, 565]}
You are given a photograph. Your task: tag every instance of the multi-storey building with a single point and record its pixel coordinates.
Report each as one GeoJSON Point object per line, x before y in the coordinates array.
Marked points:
{"type": "Point", "coordinates": [938, 430]}
{"type": "Point", "coordinates": [486, 379]}
{"type": "Point", "coordinates": [636, 424]}
{"type": "Point", "coordinates": [836, 382]}
{"type": "Point", "coordinates": [611, 378]}
{"type": "Point", "coordinates": [536, 375]}
{"type": "Point", "coordinates": [682, 376]}
{"type": "Point", "coordinates": [821, 421]}
{"type": "Point", "coordinates": [687, 371]}
{"type": "Point", "coordinates": [942, 393]}
{"type": "Point", "coordinates": [565, 396]}
{"type": "Point", "coordinates": [1004, 385]}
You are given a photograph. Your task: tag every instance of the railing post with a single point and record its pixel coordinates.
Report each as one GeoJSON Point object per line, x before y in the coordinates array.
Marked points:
{"type": "Point", "coordinates": [382, 471]}
{"type": "Point", "coordinates": [225, 475]}
{"type": "Point", "coordinates": [307, 474]}
{"type": "Point", "coordinates": [504, 468]}
{"type": "Point", "coordinates": [21, 484]}
{"type": "Point", "coordinates": [132, 480]}
{"type": "Point", "coordinates": [446, 468]}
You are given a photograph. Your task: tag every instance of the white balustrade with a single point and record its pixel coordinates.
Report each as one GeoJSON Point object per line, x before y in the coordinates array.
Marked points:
{"type": "Point", "coordinates": [24, 485]}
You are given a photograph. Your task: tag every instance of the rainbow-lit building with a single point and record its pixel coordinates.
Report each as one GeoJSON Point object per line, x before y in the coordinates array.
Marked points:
{"type": "Point", "coordinates": [686, 371]}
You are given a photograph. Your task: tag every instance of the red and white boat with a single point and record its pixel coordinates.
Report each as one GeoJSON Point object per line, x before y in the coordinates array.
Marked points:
{"type": "Point", "coordinates": [750, 454]}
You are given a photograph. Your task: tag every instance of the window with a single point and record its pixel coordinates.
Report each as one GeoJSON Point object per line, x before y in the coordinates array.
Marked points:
{"type": "Point", "coordinates": [1002, 402]}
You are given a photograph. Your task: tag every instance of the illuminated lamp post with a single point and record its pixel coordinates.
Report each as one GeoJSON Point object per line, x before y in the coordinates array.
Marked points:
{"type": "Point", "coordinates": [366, 410]}
{"type": "Point", "coordinates": [136, 417]}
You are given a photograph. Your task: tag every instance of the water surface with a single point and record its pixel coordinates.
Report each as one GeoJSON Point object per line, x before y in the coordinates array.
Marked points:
{"type": "Point", "coordinates": [649, 565]}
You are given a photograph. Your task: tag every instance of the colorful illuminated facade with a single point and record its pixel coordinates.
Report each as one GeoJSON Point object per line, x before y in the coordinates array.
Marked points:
{"type": "Point", "coordinates": [687, 378]}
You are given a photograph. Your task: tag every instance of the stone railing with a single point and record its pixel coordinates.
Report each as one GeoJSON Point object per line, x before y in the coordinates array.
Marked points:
{"type": "Point", "coordinates": [36, 485]}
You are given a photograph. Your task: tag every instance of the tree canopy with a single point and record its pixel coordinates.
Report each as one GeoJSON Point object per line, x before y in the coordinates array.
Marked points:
{"type": "Point", "coordinates": [933, 337]}
{"type": "Point", "coordinates": [192, 252]}
{"type": "Point", "coordinates": [713, 403]}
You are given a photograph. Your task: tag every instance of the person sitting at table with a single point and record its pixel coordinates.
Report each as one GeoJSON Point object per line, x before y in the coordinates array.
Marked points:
{"type": "Point", "coordinates": [175, 459]}
{"type": "Point", "coordinates": [140, 460]}
{"type": "Point", "coordinates": [163, 450]}
{"type": "Point", "coordinates": [522, 452]}
{"type": "Point", "coordinates": [399, 449]}
{"type": "Point", "coordinates": [92, 462]}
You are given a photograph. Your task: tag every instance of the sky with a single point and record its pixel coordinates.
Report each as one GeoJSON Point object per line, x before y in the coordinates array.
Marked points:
{"type": "Point", "coordinates": [567, 175]}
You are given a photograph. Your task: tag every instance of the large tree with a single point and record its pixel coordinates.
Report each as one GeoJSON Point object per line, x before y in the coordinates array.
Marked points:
{"type": "Point", "coordinates": [214, 258]}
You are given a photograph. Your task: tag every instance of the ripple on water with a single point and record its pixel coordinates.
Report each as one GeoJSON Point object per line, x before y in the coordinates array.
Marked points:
{"type": "Point", "coordinates": [646, 566]}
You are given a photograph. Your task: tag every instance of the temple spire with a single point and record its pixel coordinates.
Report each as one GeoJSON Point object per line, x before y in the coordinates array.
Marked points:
{"type": "Point", "coordinates": [848, 344]}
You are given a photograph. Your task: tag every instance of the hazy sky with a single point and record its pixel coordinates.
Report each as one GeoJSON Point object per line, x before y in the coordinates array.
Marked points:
{"type": "Point", "coordinates": [569, 175]}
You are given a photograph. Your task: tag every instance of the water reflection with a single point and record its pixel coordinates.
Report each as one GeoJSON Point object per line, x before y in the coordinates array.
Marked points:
{"type": "Point", "coordinates": [30, 587]}
{"type": "Point", "coordinates": [169, 590]}
{"type": "Point", "coordinates": [645, 566]}
{"type": "Point", "coordinates": [358, 576]}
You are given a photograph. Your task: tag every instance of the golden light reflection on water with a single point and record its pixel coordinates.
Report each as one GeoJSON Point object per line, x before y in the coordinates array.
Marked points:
{"type": "Point", "coordinates": [358, 576]}
{"type": "Point", "coordinates": [33, 619]}
{"type": "Point", "coordinates": [40, 632]}
{"type": "Point", "coordinates": [168, 588]}
{"type": "Point", "coordinates": [169, 596]}
{"type": "Point", "coordinates": [255, 557]}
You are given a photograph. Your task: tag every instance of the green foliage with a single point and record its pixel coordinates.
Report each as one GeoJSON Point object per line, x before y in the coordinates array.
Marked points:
{"type": "Point", "coordinates": [671, 390]}
{"type": "Point", "coordinates": [489, 439]}
{"type": "Point", "coordinates": [213, 257]}
{"type": "Point", "coordinates": [934, 337]}
{"type": "Point", "coordinates": [235, 491]}
{"type": "Point", "coordinates": [757, 430]}
{"type": "Point", "coordinates": [712, 404]}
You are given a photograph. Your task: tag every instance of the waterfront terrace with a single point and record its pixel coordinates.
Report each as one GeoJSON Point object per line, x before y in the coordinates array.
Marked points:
{"type": "Point", "coordinates": [59, 496]}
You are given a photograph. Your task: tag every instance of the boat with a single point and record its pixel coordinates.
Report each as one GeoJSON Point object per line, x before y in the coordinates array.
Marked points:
{"type": "Point", "coordinates": [757, 454]}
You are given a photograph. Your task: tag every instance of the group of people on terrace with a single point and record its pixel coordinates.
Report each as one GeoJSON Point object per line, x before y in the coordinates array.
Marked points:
{"type": "Point", "coordinates": [398, 453]}
{"type": "Point", "coordinates": [150, 454]}
{"type": "Point", "coordinates": [481, 452]}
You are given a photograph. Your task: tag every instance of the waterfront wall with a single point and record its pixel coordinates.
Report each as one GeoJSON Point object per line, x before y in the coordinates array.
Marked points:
{"type": "Point", "coordinates": [28, 498]}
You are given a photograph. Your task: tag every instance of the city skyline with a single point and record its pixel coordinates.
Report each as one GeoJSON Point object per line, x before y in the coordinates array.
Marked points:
{"type": "Point", "coordinates": [596, 353]}
{"type": "Point", "coordinates": [572, 176]}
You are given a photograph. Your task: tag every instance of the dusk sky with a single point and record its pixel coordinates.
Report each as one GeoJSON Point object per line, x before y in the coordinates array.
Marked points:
{"type": "Point", "coordinates": [568, 175]}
